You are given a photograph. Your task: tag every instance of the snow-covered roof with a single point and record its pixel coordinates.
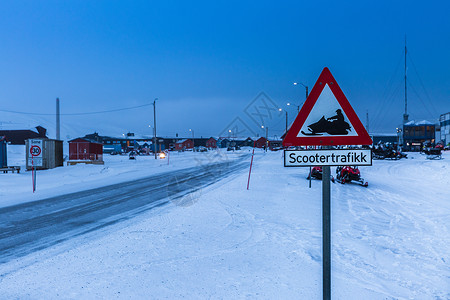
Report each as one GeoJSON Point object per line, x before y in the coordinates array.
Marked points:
{"type": "Point", "coordinates": [423, 122]}
{"type": "Point", "coordinates": [383, 134]}
{"type": "Point", "coordinates": [182, 141]}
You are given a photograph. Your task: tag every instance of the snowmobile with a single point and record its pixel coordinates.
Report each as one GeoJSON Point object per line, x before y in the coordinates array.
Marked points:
{"type": "Point", "coordinates": [316, 173]}
{"type": "Point", "coordinates": [433, 153]}
{"type": "Point", "coordinates": [132, 155]}
{"type": "Point", "coordinates": [348, 174]}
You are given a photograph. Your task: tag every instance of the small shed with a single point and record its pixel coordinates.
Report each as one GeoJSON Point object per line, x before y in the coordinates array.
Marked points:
{"type": "Point", "coordinates": [51, 154]}
{"type": "Point", "coordinates": [83, 150]}
{"type": "Point", "coordinates": [184, 144]}
{"type": "Point", "coordinates": [211, 143]}
{"type": "Point", "coordinates": [3, 156]}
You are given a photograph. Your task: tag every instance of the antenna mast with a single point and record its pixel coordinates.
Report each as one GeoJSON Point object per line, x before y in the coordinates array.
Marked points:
{"type": "Point", "coordinates": [405, 115]}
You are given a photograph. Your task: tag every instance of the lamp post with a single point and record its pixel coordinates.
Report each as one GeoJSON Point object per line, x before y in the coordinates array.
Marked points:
{"type": "Point", "coordinates": [192, 134]}
{"type": "Point", "coordinates": [154, 128]}
{"type": "Point", "coordinates": [267, 134]}
{"type": "Point", "coordinates": [306, 88]}
{"type": "Point", "coordinates": [280, 109]}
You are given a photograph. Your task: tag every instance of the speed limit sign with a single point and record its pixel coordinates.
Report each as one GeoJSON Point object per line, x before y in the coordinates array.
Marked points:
{"type": "Point", "coordinates": [35, 150]}
{"type": "Point", "coordinates": [35, 153]}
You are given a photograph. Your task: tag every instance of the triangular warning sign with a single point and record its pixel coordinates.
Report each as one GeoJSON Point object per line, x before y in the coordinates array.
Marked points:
{"type": "Point", "coordinates": [326, 118]}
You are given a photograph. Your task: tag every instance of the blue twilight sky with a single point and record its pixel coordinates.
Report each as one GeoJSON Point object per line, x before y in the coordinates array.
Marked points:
{"type": "Point", "coordinates": [206, 61]}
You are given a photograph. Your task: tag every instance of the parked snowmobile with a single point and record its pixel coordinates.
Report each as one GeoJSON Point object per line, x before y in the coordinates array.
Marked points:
{"type": "Point", "coordinates": [387, 151]}
{"type": "Point", "coordinates": [132, 155]}
{"type": "Point", "coordinates": [433, 153]}
{"type": "Point", "coordinates": [348, 174]}
{"type": "Point", "coordinates": [316, 173]}
{"type": "Point", "coordinates": [335, 125]}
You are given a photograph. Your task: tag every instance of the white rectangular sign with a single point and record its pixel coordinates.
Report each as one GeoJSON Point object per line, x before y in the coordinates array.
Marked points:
{"type": "Point", "coordinates": [37, 162]}
{"type": "Point", "coordinates": [35, 153]}
{"type": "Point", "coordinates": [332, 157]}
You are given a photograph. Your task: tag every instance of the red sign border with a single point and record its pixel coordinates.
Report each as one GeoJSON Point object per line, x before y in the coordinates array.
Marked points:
{"type": "Point", "coordinates": [40, 150]}
{"type": "Point", "coordinates": [291, 138]}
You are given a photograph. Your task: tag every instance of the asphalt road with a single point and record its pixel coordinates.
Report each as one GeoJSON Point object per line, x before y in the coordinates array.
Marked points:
{"type": "Point", "coordinates": [29, 227]}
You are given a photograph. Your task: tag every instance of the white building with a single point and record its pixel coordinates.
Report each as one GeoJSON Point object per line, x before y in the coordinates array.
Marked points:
{"type": "Point", "coordinates": [445, 127]}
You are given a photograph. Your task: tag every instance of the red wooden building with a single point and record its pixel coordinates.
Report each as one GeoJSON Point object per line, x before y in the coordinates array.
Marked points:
{"type": "Point", "coordinates": [211, 143]}
{"type": "Point", "coordinates": [85, 150]}
{"type": "Point", "coordinates": [261, 142]}
{"type": "Point", "coordinates": [184, 144]}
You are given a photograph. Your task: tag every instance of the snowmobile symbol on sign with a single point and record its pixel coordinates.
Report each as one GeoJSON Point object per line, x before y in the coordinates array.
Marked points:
{"type": "Point", "coordinates": [326, 118]}
{"type": "Point", "coordinates": [334, 126]}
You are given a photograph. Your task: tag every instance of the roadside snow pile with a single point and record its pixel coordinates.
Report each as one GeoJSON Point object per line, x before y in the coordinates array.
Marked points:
{"type": "Point", "coordinates": [389, 241]}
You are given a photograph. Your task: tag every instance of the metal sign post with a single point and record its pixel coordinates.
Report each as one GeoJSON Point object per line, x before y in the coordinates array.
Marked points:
{"type": "Point", "coordinates": [326, 233]}
{"type": "Point", "coordinates": [36, 154]}
{"type": "Point", "coordinates": [327, 119]}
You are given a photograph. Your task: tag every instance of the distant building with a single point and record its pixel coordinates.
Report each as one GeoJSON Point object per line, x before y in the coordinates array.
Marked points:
{"type": "Point", "coordinates": [445, 128]}
{"type": "Point", "coordinates": [223, 143]}
{"type": "Point", "coordinates": [248, 142]}
{"type": "Point", "coordinates": [261, 142]}
{"type": "Point", "coordinates": [82, 149]}
{"type": "Point", "coordinates": [385, 138]}
{"type": "Point", "coordinates": [275, 144]}
{"type": "Point", "coordinates": [415, 134]}
{"type": "Point", "coordinates": [211, 143]}
{"type": "Point", "coordinates": [169, 143]}
{"type": "Point", "coordinates": [127, 142]}
{"type": "Point", "coordinates": [18, 137]}
{"type": "Point", "coordinates": [3, 152]}
{"type": "Point", "coordinates": [184, 144]}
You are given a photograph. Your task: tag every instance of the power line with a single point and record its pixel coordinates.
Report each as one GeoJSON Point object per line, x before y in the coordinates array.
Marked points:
{"type": "Point", "coordinates": [386, 96]}
{"type": "Point", "coordinates": [423, 86]}
{"type": "Point", "coordinates": [423, 103]}
{"type": "Point", "coordinates": [76, 114]}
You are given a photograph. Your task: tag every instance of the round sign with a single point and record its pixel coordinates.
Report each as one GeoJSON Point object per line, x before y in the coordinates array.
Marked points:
{"type": "Point", "coordinates": [35, 150]}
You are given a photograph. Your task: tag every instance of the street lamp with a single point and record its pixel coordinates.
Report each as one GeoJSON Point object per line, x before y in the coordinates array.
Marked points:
{"type": "Point", "coordinates": [192, 133]}
{"type": "Point", "coordinates": [298, 106]}
{"type": "Point", "coordinates": [306, 88]}
{"type": "Point", "coordinates": [280, 109]}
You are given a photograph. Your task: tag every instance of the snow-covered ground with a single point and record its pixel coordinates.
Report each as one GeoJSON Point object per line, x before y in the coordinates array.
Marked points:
{"type": "Point", "coordinates": [389, 241]}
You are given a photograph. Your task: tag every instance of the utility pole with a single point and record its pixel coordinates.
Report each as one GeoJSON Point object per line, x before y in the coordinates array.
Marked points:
{"type": "Point", "coordinates": [286, 122]}
{"type": "Point", "coordinates": [154, 127]}
{"type": "Point", "coordinates": [267, 138]}
{"type": "Point", "coordinates": [367, 121]}
{"type": "Point", "coordinates": [405, 115]}
{"type": "Point", "coordinates": [58, 124]}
